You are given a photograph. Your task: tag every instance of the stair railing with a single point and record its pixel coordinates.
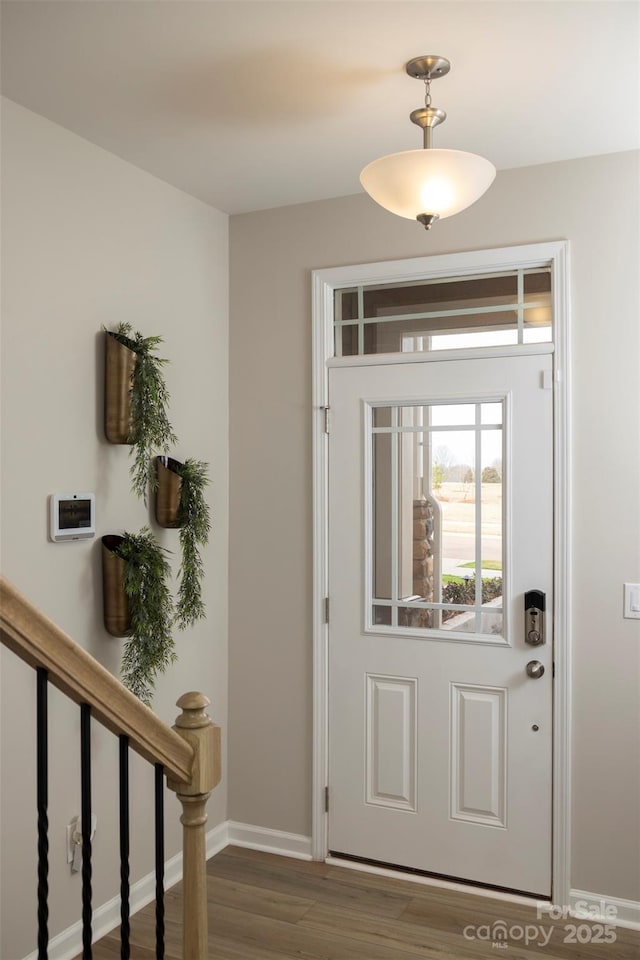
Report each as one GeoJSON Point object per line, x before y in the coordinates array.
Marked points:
{"type": "Point", "coordinates": [187, 755]}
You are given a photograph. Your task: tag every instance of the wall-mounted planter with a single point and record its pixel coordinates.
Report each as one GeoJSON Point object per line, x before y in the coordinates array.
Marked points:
{"type": "Point", "coordinates": [117, 619]}
{"type": "Point", "coordinates": [120, 363]}
{"type": "Point", "coordinates": [136, 401]}
{"type": "Point", "coordinates": [168, 492]}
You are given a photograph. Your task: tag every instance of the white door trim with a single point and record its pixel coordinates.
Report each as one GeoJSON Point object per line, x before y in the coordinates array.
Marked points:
{"type": "Point", "coordinates": [325, 282]}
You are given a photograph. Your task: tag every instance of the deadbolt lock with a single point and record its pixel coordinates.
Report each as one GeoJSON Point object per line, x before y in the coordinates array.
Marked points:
{"type": "Point", "coordinates": [534, 606]}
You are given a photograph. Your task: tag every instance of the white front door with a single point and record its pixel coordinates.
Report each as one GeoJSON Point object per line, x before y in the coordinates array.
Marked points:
{"type": "Point", "coordinates": [440, 520]}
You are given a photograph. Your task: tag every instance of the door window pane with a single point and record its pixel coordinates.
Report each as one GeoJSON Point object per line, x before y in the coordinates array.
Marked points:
{"type": "Point", "coordinates": [437, 516]}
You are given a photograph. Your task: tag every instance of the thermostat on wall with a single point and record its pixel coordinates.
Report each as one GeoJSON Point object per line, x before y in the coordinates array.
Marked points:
{"type": "Point", "coordinates": [72, 516]}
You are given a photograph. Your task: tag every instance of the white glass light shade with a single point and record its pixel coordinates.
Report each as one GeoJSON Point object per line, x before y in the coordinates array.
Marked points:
{"type": "Point", "coordinates": [436, 182]}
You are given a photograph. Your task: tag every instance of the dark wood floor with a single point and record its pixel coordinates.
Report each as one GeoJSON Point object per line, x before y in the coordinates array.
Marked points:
{"type": "Point", "coordinates": [263, 907]}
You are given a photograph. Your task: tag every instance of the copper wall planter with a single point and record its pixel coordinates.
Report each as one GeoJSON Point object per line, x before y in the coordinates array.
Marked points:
{"type": "Point", "coordinates": [117, 619]}
{"type": "Point", "coordinates": [168, 491]}
{"type": "Point", "coordinates": [120, 363]}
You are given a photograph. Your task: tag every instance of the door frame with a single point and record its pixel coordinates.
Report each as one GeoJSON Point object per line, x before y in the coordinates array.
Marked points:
{"type": "Point", "coordinates": [554, 254]}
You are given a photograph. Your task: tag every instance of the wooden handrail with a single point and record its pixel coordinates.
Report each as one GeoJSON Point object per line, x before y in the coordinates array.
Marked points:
{"type": "Point", "coordinates": [39, 642]}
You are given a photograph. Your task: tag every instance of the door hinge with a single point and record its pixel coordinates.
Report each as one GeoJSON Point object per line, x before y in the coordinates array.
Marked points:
{"type": "Point", "coordinates": [326, 609]}
{"type": "Point", "coordinates": [326, 799]}
{"type": "Point", "coordinates": [327, 419]}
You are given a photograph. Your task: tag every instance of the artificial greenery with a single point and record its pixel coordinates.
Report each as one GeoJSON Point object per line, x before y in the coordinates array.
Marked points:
{"type": "Point", "coordinates": [195, 524]}
{"type": "Point", "coordinates": [149, 648]}
{"type": "Point", "coordinates": [152, 430]}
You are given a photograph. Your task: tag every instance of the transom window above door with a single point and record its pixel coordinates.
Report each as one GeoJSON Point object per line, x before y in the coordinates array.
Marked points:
{"type": "Point", "coordinates": [447, 313]}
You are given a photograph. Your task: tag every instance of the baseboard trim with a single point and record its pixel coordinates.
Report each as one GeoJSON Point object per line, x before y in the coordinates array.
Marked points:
{"type": "Point", "coordinates": [272, 841]}
{"type": "Point", "coordinates": [217, 839]}
{"type": "Point", "coordinates": [68, 944]}
{"type": "Point", "coordinates": [611, 910]}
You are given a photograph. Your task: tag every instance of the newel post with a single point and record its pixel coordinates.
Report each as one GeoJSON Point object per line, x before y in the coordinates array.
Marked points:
{"type": "Point", "coordinates": [197, 728]}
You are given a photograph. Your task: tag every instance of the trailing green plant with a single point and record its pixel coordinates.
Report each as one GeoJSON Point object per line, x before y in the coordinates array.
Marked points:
{"type": "Point", "coordinates": [195, 524]}
{"type": "Point", "coordinates": [152, 430]}
{"type": "Point", "coordinates": [149, 648]}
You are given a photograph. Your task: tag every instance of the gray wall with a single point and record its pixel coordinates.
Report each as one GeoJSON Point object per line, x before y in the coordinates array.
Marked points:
{"type": "Point", "coordinates": [89, 240]}
{"type": "Point", "coordinates": [594, 204]}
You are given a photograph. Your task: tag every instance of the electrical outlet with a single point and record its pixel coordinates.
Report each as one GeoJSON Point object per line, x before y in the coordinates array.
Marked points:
{"type": "Point", "coordinates": [74, 835]}
{"type": "Point", "coordinates": [71, 829]}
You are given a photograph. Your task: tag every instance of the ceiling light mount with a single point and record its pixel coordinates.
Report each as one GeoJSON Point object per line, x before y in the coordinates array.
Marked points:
{"type": "Point", "coordinates": [428, 184]}
{"type": "Point", "coordinates": [428, 68]}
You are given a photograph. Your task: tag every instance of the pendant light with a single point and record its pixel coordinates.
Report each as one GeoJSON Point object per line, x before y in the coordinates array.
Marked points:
{"type": "Point", "coordinates": [428, 184]}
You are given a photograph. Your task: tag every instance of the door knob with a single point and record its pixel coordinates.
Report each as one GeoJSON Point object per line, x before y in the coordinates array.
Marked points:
{"type": "Point", "coordinates": [535, 669]}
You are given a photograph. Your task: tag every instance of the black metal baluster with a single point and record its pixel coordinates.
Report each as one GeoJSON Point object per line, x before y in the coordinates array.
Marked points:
{"type": "Point", "coordinates": [42, 781]}
{"type": "Point", "coordinates": [85, 811]}
{"type": "Point", "coordinates": [125, 949]}
{"type": "Point", "coordinates": [159, 805]}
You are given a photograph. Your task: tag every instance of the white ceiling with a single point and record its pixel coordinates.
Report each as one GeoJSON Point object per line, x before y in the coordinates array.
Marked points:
{"type": "Point", "coordinates": [249, 104]}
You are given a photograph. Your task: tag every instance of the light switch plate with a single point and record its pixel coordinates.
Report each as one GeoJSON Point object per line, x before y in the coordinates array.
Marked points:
{"type": "Point", "coordinates": [632, 601]}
